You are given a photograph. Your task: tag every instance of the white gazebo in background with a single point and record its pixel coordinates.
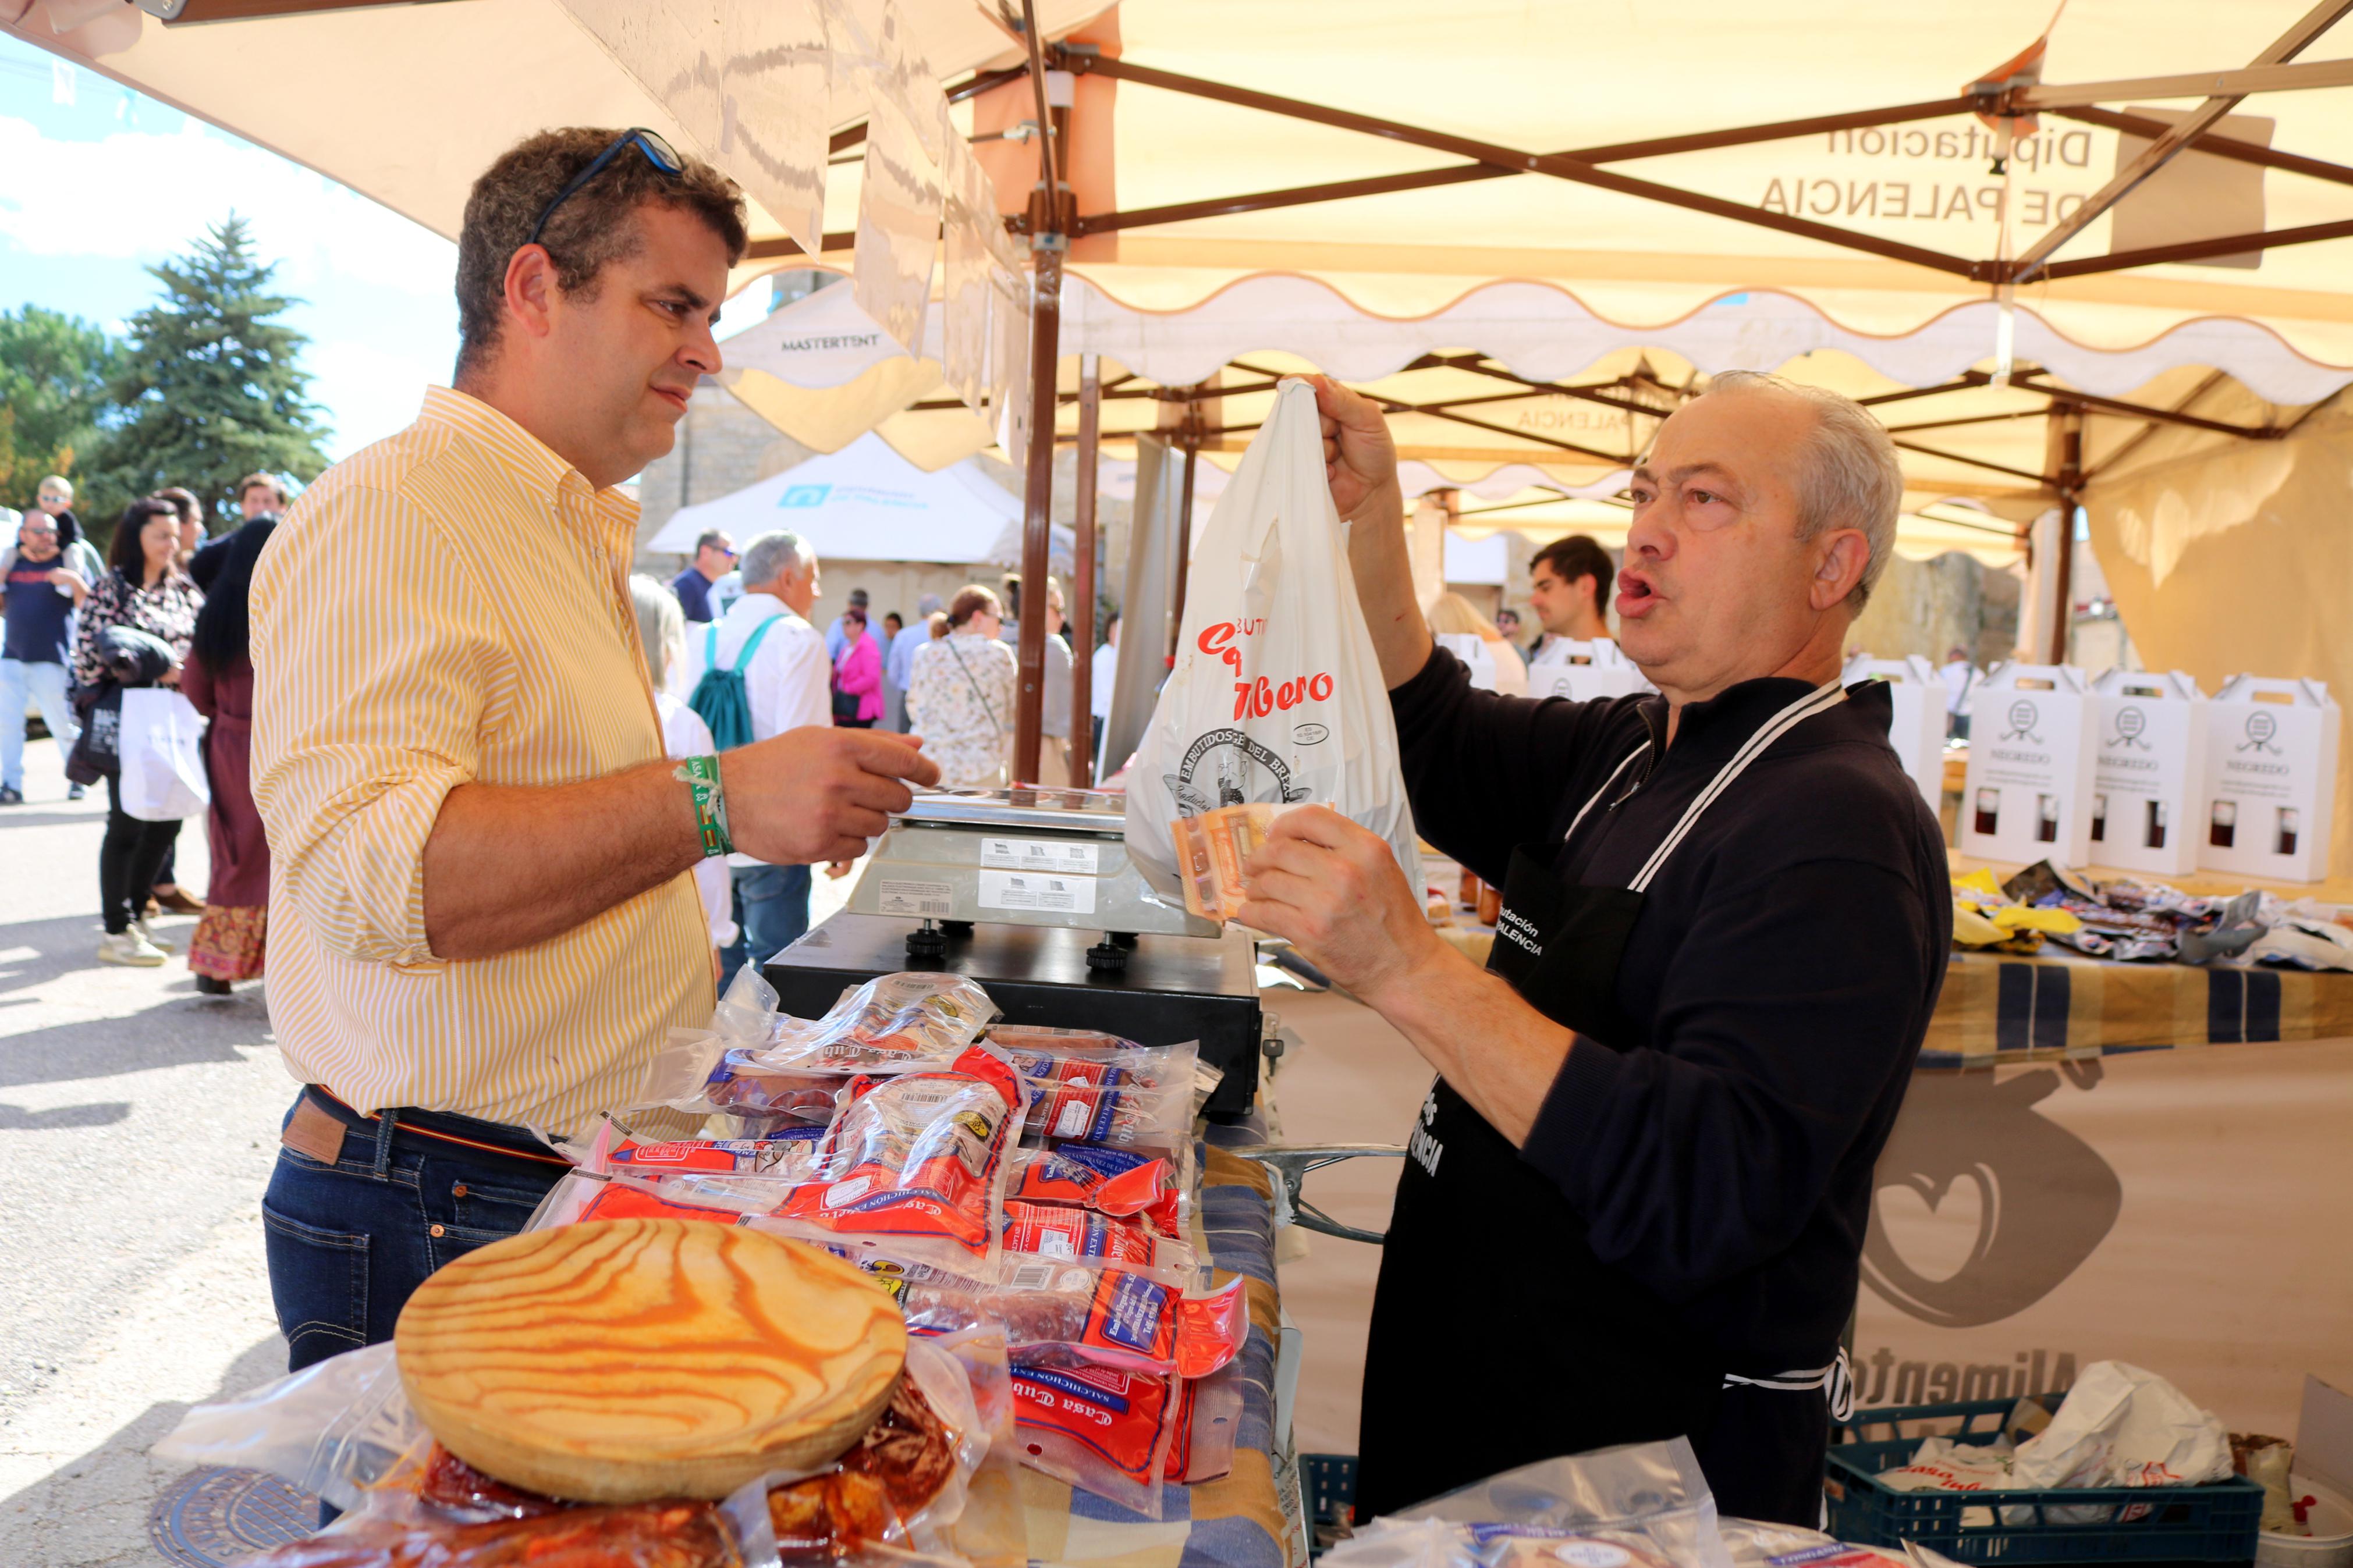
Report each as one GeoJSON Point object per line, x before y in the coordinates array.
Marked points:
{"type": "Point", "coordinates": [876, 523]}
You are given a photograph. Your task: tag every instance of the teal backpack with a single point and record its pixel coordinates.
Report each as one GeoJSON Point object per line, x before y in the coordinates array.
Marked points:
{"type": "Point", "coordinates": [719, 698]}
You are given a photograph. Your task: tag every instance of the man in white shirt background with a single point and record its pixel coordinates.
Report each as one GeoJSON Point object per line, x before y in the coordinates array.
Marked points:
{"type": "Point", "coordinates": [1959, 675]}
{"type": "Point", "coordinates": [1099, 685]}
{"type": "Point", "coordinates": [788, 680]}
{"type": "Point", "coordinates": [1570, 584]}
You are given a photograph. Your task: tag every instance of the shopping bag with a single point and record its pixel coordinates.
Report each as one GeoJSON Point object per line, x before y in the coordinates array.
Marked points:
{"type": "Point", "coordinates": [162, 756]}
{"type": "Point", "coordinates": [96, 755]}
{"type": "Point", "coordinates": [1276, 696]}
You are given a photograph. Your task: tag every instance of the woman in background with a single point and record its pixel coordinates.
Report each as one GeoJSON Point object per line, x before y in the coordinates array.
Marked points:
{"type": "Point", "coordinates": [858, 673]}
{"type": "Point", "coordinates": [229, 944]}
{"type": "Point", "coordinates": [1453, 616]}
{"type": "Point", "coordinates": [661, 636]}
{"type": "Point", "coordinates": [141, 588]}
{"type": "Point", "coordinates": [166, 895]}
{"type": "Point", "coordinates": [960, 695]}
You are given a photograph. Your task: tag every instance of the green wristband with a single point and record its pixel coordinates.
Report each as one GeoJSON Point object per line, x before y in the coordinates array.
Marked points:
{"type": "Point", "coordinates": [701, 777]}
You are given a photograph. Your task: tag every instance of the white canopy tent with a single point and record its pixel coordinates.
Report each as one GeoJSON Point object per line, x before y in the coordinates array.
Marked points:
{"type": "Point", "coordinates": [2097, 259]}
{"type": "Point", "coordinates": [866, 502]}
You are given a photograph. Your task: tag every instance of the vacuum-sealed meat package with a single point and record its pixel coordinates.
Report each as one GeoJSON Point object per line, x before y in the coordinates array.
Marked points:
{"type": "Point", "coordinates": [1127, 1096]}
{"type": "Point", "coordinates": [1276, 697]}
{"type": "Point", "coordinates": [1117, 1182]}
{"type": "Point", "coordinates": [1104, 1429]}
{"type": "Point", "coordinates": [796, 1070]}
{"type": "Point", "coordinates": [1065, 1314]}
{"type": "Point", "coordinates": [789, 1154]}
{"type": "Point", "coordinates": [890, 1023]}
{"type": "Point", "coordinates": [1641, 1505]}
{"type": "Point", "coordinates": [1059, 1232]}
{"type": "Point", "coordinates": [920, 1160]}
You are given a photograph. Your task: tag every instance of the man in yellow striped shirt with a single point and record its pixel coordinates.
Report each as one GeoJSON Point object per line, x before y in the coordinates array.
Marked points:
{"type": "Point", "coordinates": [481, 919]}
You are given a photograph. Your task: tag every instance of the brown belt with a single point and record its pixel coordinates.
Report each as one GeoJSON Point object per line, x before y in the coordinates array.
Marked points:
{"type": "Point", "coordinates": [314, 1131]}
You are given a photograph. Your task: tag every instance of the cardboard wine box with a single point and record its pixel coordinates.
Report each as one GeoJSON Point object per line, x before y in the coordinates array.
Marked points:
{"type": "Point", "coordinates": [1917, 729]}
{"type": "Point", "coordinates": [1582, 671]}
{"type": "Point", "coordinates": [2031, 748]}
{"type": "Point", "coordinates": [1471, 650]}
{"type": "Point", "coordinates": [2271, 779]}
{"type": "Point", "coordinates": [2148, 773]}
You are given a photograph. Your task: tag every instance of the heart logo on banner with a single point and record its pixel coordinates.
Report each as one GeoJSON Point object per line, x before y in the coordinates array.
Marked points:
{"type": "Point", "coordinates": [1983, 1206]}
{"type": "Point", "coordinates": [1939, 1234]}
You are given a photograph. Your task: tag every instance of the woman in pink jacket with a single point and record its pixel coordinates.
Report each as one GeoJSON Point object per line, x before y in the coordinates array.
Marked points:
{"type": "Point", "coordinates": [857, 675]}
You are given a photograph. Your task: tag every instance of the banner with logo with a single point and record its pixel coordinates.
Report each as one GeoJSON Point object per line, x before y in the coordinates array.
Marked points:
{"type": "Point", "coordinates": [2189, 1211]}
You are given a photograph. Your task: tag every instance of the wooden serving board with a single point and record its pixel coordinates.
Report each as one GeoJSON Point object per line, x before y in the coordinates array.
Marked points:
{"type": "Point", "coordinates": [622, 1360]}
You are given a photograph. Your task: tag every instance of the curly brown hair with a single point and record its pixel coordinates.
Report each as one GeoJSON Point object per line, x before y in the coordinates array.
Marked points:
{"type": "Point", "coordinates": [594, 228]}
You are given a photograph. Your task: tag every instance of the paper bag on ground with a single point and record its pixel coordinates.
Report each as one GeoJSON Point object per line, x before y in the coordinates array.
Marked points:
{"type": "Point", "coordinates": [1276, 698]}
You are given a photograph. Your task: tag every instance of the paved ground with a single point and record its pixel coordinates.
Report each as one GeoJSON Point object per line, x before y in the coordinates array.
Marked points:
{"type": "Point", "coordinates": [137, 1125]}
{"type": "Point", "coordinates": [138, 1122]}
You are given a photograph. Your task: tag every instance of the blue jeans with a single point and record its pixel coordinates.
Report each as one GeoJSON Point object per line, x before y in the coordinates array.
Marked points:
{"type": "Point", "coordinates": [349, 1242]}
{"type": "Point", "coordinates": [43, 684]}
{"type": "Point", "coordinates": [772, 909]}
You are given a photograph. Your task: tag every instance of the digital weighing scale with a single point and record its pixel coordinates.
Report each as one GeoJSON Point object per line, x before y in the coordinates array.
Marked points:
{"type": "Point", "coordinates": [1031, 892]}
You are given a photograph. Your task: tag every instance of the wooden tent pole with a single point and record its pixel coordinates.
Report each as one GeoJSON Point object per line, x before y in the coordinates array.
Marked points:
{"type": "Point", "coordinates": [1082, 576]}
{"type": "Point", "coordinates": [1046, 244]}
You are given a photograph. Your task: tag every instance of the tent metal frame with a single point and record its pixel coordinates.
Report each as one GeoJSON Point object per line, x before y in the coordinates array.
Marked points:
{"type": "Point", "coordinates": [1052, 221]}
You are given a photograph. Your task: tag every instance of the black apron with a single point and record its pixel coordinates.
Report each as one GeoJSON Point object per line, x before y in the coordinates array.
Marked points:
{"type": "Point", "coordinates": [1498, 1337]}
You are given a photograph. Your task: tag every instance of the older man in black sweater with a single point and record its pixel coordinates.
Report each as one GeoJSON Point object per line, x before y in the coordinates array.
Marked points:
{"type": "Point", "coordinates": [1637, 1194]}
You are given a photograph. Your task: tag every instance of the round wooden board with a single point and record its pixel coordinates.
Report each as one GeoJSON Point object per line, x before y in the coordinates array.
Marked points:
{"type": "Point", "coordinates": [621, 1361]}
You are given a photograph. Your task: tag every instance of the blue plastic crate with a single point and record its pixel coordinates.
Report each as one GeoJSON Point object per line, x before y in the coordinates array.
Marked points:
{"type": "Point", "coordinates": [2213, 1524]}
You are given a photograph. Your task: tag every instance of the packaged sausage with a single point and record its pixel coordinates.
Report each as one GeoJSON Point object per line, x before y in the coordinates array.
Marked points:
{"type": "Point", "coordinates": [787, 1153]}
{"type": "Point", "coordinates": [1064, 1314]}
{"type": "Point", "coordinates": [892, 1022]}
{"type": "Point", "coordinates": [1099, 1089]}
{"type": "Point", "coordinates": [919, 1159]}
{"type": "Point", "coordinates": [1056, 1232]}
{"type": "Point", "coordinates": [1118, 1182]}
{"type": "Point", "coordinates": [1104, 1429]}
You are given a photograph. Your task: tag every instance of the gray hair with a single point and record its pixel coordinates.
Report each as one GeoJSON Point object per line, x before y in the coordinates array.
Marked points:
{"type": "Point", "coordinates": [773, 552]}
{"type": "Point", "coordinates": [661, 626]}
{"type": "Point", "coordinates": [1852, 477]}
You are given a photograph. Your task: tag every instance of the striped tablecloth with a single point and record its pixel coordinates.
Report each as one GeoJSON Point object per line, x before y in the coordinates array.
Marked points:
{"type": "Point", "coordinates": [1997, 1007]}
{"type": "Point", "coordinates": [1243, 1520]}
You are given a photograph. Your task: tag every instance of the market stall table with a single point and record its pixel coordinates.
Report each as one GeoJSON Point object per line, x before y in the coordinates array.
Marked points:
{"type": "Point", "coordinates": [1249, 1518]}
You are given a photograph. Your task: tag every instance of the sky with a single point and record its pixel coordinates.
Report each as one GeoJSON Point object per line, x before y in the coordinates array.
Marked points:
{"type": "Point", "coordinates": [97, 182]}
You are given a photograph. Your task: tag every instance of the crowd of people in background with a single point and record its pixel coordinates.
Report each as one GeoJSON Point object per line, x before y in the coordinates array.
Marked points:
{"type": "Point", "coordinates": [163, 608]}
{"type": "Point", "coordinates": [729, 636]}
{"type": "Point", "coordinates": [743, 643]}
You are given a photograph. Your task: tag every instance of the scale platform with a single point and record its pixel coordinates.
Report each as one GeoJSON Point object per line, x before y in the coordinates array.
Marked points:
{"type": "Point", "coordinates": [1028, 856]}
{"type": "Point", "coordinates": [1173, 989]}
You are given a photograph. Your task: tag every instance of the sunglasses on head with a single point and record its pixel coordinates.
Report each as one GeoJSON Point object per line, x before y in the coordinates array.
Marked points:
{"type": "Point", "coordinates": [658, 152]}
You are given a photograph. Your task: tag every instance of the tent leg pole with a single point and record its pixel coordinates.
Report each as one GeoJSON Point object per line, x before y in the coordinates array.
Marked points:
{"type": "Point", "coordinates": [1082, 576]}
{"type": "Point", "coordinates": [1184, 566]}
{"type": "Point", "coordinates": [1038, 515]}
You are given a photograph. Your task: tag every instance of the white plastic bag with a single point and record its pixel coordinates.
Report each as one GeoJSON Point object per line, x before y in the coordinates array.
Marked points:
{"type": "Point", "coordinates": [162, 756]}
{"type": "Point", "coordinates": [2122, 1426]}
{"type": "Point", "coordinates": [1276, 696]}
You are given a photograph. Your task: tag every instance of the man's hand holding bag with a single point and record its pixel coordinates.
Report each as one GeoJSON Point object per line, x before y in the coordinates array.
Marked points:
{"type": "Point", "coordinates": [1276, 697]}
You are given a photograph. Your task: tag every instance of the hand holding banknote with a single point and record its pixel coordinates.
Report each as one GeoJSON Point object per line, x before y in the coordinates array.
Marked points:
{"type": "Point", "coordinates": [1334, 890]}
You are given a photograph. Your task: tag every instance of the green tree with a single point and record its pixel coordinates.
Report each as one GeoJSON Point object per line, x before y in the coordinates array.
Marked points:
{"type": "Point", "coordinates": [210, 387]}
{"type": "Point", "coordinates": [53, 374]}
